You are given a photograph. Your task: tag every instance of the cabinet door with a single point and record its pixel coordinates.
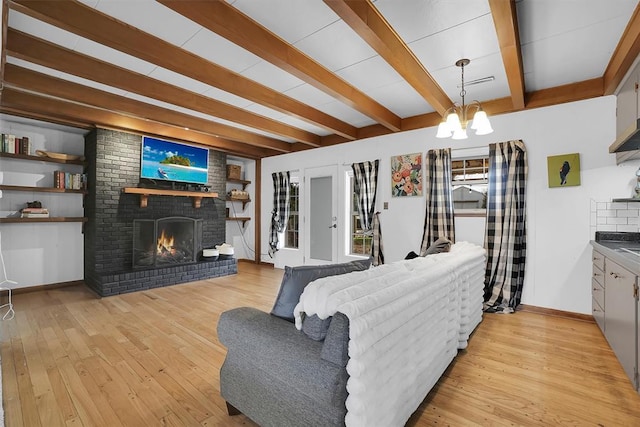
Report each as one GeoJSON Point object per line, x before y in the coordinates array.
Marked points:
{"type": "Point", "coordinates": [627, 104]}
{"type": "Point", "coordinates": [620, 314]}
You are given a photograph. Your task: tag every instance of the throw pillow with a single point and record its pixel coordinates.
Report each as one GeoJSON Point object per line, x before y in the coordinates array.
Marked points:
{"type": "Point", "coordinates": [441, 245]}
{"type": "Point", "coordinates": [315, 327]}
{"type": "Point", "coordinates": [296, 278]}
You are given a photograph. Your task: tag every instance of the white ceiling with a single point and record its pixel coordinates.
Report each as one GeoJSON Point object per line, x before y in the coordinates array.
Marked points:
{"type": "Point", "coordinates": [562, 42]}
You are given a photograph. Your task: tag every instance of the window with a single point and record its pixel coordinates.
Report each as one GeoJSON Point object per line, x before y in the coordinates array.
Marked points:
{"type": "Point", "coordinates": [291, 232]}
{"type": "Point", "coordinates": [359, 244]}
{"type": "Point", "coordinates": [470, 178]}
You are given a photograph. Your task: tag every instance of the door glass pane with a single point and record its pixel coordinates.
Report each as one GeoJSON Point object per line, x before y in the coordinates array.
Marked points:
{"type": "Point", "coordinates": [320, 218]}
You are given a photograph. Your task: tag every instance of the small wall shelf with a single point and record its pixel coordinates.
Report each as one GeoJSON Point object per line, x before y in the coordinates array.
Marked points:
{"type": "Point", "coordinates": [242, 219]}
{"type": "Point", "coordinates": [40, 189]}
{"type": "Point", "coordinates": [243, 201]}
{"type": "Point", "coordinates": [50, 219]}
{"type": "Point", "coordinates": [146, 192]}
{"type": "Point", "coordinates": [243, 182]}
{"type": "Point", "coordinates": [43, 159]}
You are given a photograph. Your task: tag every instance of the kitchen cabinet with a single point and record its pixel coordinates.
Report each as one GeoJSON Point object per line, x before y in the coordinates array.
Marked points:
{"type": "Point", "coordinates": [597, 289]}
{"type": "Point", "coordinates": [620, 312]}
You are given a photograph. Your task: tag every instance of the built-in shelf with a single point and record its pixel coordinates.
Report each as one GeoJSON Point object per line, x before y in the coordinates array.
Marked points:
{"type": "Point", "coordinates": [50, 219]}
{"type": "Point", "coordinates": [146, 192]}
{"type": "Point", "coordinates": [243, 182]}
{"type": "Point", "coordinates": [242, 219]}
{"type": "Point", "coordinates": [243, 201]}
{"type": "Point", "coordinates": [42, 159]}
{"type": "Point", "coordinates": [41, 189]}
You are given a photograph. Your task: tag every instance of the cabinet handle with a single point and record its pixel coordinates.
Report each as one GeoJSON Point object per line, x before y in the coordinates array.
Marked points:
{"type": "Point", "coordinates": [615, 275]}
{"type": "Point", "coordinates": [595, 289]}
{"type": "Point", "coordinates": [596, 274]}
{"type": "Point", "coordinates": [595, 310]}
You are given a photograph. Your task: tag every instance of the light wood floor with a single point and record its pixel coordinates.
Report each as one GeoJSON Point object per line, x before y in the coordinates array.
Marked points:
{"type": "Point", "coordinates": [152, 358]}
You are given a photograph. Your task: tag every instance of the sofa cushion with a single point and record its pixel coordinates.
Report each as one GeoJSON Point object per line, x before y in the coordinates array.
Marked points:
{"type": "Point", "coordinates": [315, 328]}
{"type": "Point", "coordinates": [441, 245]}
{"type": "Point", "coordinates": [296, 278]}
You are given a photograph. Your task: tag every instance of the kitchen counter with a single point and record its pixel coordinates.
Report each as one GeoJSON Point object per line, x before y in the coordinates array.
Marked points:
{"type": "Point", "coordinates": [617, 247]}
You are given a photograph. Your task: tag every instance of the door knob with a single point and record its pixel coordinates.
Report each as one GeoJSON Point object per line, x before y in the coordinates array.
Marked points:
{"type": "Point", "coordinates": [333, 226]}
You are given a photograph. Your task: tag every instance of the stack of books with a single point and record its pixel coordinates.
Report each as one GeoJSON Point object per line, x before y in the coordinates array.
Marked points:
{"type": "Point", "coordinates": [70, 181]}
{"type": "Point", "coordinates": [34, 213]}
{"type": "Point", "coordinates": [14, 145]}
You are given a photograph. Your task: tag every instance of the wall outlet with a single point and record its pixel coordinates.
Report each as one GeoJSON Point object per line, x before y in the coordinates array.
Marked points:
{"type": "Point", "coordinates": [385, 205]}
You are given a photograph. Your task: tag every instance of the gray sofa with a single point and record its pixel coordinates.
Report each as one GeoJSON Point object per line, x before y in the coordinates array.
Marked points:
{"type": "Point", "coordinates": [278, 376]}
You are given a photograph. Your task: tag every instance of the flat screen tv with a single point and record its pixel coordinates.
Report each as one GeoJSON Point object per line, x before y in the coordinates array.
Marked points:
{"type": "Point", "coordinates": [172, 161]}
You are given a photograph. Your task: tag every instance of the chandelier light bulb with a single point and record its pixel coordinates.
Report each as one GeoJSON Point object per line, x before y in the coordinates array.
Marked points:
{"type": "Point", "coordinates": [443, 130]}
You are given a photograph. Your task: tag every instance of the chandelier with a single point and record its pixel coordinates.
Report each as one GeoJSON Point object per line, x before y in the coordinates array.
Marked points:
{"type": "Point", "coordinates": [455, 120]}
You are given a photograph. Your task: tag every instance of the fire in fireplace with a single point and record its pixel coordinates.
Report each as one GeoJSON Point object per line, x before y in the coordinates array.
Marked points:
{"type": "Point", "coordinates": [166, 241]}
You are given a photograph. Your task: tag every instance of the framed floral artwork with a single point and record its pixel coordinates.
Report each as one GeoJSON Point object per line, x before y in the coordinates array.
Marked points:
{"type": "Point", "coordinates": [406, 175]}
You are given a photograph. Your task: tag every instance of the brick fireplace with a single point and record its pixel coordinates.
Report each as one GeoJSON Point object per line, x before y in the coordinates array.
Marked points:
{"type": "Point", "coordinates": [114, 163]}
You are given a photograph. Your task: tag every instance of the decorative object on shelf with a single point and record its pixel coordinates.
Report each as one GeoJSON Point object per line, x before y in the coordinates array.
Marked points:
{"type": "Point", "coordinates": [238, 194]}
{"type": "Point", "coordinates": [564, 170]}
{"type": "Point", "coordinates": [59, 156]}
{"type": "Point", "coordinates": [34, 204]}
{"type": "Point", "coordinates": [637, 189]}
{"type": "Point", "coordinates": [36, 211]}
{"type": "Point", "coordinates": [406, 175]}
{"type": "Point", "coordinates": [234, 172]}
{"type": "Point", "coordinates": [455, 120]}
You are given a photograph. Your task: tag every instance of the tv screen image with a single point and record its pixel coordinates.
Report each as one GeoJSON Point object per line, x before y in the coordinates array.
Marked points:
{"type": "Point", "coordinates": [172, 161]}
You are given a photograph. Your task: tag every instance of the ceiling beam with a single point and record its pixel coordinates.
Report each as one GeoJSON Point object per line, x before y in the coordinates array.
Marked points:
{"type": "Point", "coordinates": [62, 110]}
{"type": "Point", "coordinates": [506, 23]}
{"type": "Point", "coordinates": [368, 23]}
{"type": "Point", "coordinates": [41, 83]}
{"type": "Point", "coordinates": [225, 20]}
{"type": "Point", "coordinates": [626, 52]}
{"type": "Point", "coordinates": [41, 52]}
{"type": "Point", "coordinates": [87, 22]}
{"type": "Point", "coordinates": [542, 98]}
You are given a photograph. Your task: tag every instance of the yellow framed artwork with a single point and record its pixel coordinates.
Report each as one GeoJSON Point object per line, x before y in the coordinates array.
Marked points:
{"type": "Point", "coordinates": [564, 170]}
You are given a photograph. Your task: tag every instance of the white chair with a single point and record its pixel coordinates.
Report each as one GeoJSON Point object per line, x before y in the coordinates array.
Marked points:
{"type": "Point", "coordinates": [5, 285]}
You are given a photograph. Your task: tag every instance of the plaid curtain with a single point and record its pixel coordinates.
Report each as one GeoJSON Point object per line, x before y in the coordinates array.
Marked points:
{"type": "Point", "coordinates": [280, 212]}
{"type": "Point", "coordinates": [438, 221]}
{"type": "Point", "coordinates": [506, 229]}
{"type": "Point", "coordinates": [365, 187]}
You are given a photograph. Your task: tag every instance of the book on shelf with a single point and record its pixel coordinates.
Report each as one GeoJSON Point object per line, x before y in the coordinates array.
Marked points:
{"type": "Point", "coordinates": [14, 145]}
{"type": "Point", "coordinates": [34, 215]}
{"type": "Point", "coordinates": [70, 181]}
{"type": "Point", "coordinates": [34, 210]}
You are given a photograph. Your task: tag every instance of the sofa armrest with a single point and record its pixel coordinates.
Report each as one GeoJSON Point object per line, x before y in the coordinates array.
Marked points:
{"type": "Point", "coordinates": [335, 348]}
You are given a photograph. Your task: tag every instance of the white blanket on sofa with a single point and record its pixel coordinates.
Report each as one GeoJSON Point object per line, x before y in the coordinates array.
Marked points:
{"type": "Point", "coordinates": [407, 321]}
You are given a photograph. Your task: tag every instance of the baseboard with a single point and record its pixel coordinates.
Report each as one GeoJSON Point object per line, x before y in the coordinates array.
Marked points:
{"type": "Point", "coordinates": [48, 287]}
{"type": "Point", "coordinates": [556, 313]}
{"type": "Point", "coordinates": [266, 264]}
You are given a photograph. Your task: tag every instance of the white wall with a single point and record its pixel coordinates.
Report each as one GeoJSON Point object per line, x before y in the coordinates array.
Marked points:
{"type": "Point", "coordinates": [559, 263]}
{"type": "Point", "coordinates": [41, 253]}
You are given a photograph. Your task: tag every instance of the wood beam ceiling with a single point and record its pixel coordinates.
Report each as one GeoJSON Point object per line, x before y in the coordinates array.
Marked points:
{"type": "Point", "coordinates": [33, 81]}
{"type": "Point", "coordinates": [61, 109]}
{"type": "Point", "coordinates": [32, 49]}
{"type": "Point", "coordinates": [87, 22]}
{"type": "Point", "coordinates": [623, 57]}
{"type": "Point", "coordinates": [366, 21]}
{"type": "Point", "coordinates": [227, 21]}
{"type": "Point", "coordinates": [506, 23]}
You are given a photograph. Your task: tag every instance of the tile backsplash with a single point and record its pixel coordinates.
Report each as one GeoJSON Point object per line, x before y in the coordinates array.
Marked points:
{"type": "Point", "coordinates": [615, 216]}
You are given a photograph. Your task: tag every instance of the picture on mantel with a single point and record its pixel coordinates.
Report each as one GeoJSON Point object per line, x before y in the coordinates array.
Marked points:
{"type": "Point", "coordinates": [564, 170]}
{"type": "Point", "coordinates": [406, 175]}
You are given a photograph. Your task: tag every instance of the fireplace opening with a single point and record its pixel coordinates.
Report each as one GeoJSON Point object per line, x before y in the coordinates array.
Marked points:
{"type": "Point", "coordinates": [166, 241]}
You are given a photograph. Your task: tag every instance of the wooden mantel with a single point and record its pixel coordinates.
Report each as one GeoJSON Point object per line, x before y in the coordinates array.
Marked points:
{"type": "Point", "coordinates": [144, 193]}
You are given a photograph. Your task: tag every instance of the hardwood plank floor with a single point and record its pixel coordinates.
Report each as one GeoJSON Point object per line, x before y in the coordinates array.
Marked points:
{"type": "Point", "coordinates": [152, 358]}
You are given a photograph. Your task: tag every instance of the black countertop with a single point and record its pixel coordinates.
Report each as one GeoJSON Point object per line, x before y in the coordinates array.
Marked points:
{"type": "Point", "coordinates": [619, 247]}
